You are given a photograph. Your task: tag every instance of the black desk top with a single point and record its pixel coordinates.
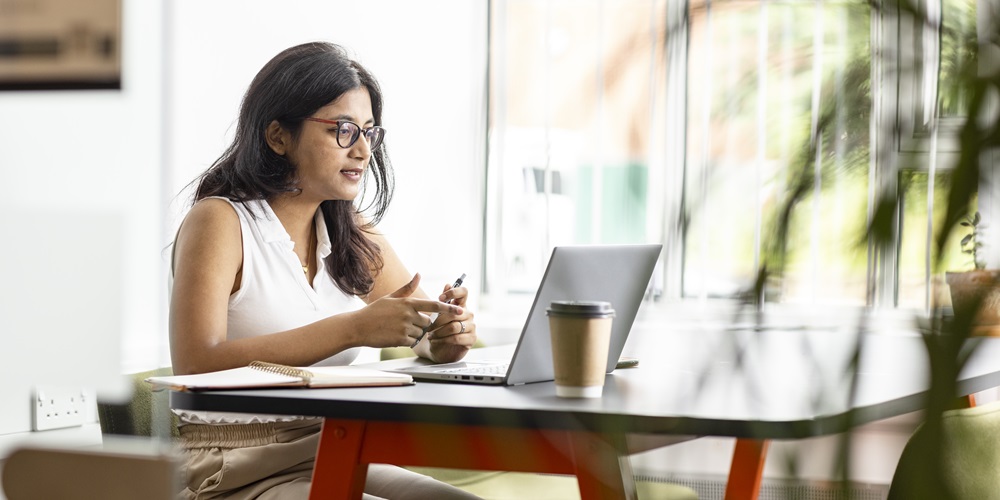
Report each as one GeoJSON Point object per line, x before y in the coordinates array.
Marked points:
{"type": "Point", "coordinates": [784, 384]}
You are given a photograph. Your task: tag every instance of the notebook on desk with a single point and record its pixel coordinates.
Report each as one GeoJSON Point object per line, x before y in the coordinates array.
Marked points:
{"type": "Point", "coordinates": [618, 274]}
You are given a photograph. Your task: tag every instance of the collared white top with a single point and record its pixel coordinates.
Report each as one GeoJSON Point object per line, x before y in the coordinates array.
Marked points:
{"type": "Point", "coordinates": [275, 295]}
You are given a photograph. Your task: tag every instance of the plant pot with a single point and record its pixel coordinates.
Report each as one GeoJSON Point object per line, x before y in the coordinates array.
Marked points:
{"type": "Point", "coordinates": [981, 286]}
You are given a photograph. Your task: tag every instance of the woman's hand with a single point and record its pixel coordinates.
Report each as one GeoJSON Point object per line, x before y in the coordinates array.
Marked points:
{"type": "Point", "coordinates": [399, 318]}
{"type": "Point", "coordinates": [452, 334]}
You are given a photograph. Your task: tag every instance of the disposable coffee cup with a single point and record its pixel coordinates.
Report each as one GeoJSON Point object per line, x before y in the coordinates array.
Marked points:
{"type": "Point", "coordinates": [580, 332]}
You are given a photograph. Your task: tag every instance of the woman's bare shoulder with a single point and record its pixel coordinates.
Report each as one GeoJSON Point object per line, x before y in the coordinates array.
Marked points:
{"type": "Point", "coordinates": [211, 218]}
{"type": "Point", "coordinates": [212, 211]}
{"type": "Point", "coordinates": [210, 232]}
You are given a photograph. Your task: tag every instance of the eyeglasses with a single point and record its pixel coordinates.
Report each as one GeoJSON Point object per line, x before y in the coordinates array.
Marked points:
{"type": "Point", "coordinates": [348, 133]}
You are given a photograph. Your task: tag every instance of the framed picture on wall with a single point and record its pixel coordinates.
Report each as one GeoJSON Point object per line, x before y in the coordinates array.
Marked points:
{"type": "Point", "coordinates": [60, 44]}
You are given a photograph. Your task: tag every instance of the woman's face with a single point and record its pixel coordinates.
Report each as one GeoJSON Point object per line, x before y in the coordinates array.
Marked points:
{"type": "Point", "coordinates": [326, 171]}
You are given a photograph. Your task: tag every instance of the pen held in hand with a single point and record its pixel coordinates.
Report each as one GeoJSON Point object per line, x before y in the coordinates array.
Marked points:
{"type": "Point", "coordinates": [458, 283]}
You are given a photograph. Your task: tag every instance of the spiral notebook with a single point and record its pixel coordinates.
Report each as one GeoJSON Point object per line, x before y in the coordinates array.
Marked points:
{"type": "Point", "coordinates": [260, 374]}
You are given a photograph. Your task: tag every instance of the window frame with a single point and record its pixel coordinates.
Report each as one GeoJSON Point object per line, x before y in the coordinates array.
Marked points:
{"type": "Point", "coordinates": [892, 147]}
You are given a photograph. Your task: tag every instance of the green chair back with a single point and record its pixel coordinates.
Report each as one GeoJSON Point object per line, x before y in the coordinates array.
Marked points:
{"type": "Point", "coordinates": [147, 413]}
{"type": "Point", "coordinates": [965, 459]}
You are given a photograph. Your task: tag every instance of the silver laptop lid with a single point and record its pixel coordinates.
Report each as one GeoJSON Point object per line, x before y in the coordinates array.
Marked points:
{"type": "Point", "coordinates": [618, 274]}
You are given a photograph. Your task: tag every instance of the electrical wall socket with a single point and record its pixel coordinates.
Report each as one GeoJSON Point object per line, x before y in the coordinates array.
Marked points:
{"type": "Point", "coordinates": [58, 407]}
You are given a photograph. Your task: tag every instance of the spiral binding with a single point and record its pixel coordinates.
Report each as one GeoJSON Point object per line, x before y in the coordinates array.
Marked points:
{"type": "Point", "coordinates": [290, 371]}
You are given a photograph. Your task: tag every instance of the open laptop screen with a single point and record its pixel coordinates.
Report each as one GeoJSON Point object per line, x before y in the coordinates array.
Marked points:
{"type": "Point", "coordinates": [618, 274]}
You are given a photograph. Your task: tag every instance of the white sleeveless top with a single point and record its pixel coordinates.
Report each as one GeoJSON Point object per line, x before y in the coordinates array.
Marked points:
{"type": "Point", "coordinates": [275, 295]}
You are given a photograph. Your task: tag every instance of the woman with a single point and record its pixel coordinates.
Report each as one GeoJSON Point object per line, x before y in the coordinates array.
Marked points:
{"type": "Point", "coordinates": [275, 262]}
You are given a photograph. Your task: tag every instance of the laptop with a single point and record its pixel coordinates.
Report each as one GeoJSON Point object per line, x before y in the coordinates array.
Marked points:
{"type": "Point", "coordinates": [618, 274]}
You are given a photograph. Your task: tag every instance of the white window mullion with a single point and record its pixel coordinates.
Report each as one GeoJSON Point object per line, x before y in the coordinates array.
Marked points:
{"type": "Point", "coordinates": [840, 212]}
{"type": "Point", "coordinates": [495, 257]}
{"type": "Point", "coordinates": [762, 48]}
{"type": "Point", "coordinates": [932, 63]}
{"type": "Point", "coordinates": [675, 146]}
{"type": "Point", "coordinates": [705, 165]}
{"type": "Point", "coordinates": [883, 170]}
{"type": "Point", "coordinates": [597, 178]}
{"type": "Point", "coordinates": [930, 41]}
{"type": "Point", "coordinates": [547, 86]}
{"type": "Point", "coordinates": [656, 208]}
{"type": "Point", "coordinates": [817, 140]}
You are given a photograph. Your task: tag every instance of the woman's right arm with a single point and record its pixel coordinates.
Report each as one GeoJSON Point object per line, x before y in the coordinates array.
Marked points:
{"type": "Point", "coordinates": [207, 261]}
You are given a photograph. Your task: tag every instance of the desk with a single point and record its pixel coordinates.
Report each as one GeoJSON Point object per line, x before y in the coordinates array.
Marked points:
{"type": "Point", "coordinates": [788, 384]}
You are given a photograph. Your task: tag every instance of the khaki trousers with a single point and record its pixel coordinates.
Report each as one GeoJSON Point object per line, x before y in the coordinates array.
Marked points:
{"type": "Point", "coordinates": [275, 461]}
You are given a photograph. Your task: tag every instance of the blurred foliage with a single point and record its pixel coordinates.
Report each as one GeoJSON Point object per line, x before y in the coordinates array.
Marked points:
{"type": "Point", "coordinates": [964, 91]}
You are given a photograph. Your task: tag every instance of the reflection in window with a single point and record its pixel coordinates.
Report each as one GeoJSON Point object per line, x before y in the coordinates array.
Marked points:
{"type": "Point", "coordinates": [692, 123]}
{"type": "Point", "coordinates": [921, 273]}
{"type": "Point", "coordinates": [575, 130]}
{"type": "Point", "coordinates": [958, 54]}
{"type": "Point", "coordinates": [953, 49]}
{"type": "Point", "coordinates": [770, 79]}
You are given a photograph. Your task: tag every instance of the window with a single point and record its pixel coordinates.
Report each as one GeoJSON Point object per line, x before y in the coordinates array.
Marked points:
{"type": "Point", "coordinates": [918, 278]}
{"type": "Point", "coordinates": [942, 40]}
{"type": "Point", "coordinates": [695, 123]}
{"type": "Point", "coordinates": [577, 139]}
{"type": "Point", "coordinates": [936, 54]}
{"type": "Point", "coordinates": [767, 74]}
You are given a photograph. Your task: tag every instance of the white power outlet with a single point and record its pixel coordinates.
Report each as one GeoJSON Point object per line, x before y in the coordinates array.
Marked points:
{"type": "Point", "coordinates": [58, 407]}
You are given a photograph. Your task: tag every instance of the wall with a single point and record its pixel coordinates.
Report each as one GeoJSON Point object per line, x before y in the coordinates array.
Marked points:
{"type": "Point", "coordinates": [431, 63]}
{"type": "Point", "coordinates": [77, 152]}
{"type": "Point", "coordinates": [186, 65]}
{"type": "Point", "coordinates": [430, 58]}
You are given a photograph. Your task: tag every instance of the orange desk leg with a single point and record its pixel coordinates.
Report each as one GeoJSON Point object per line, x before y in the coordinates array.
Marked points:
{"type": "Point", "coordinates": [347, 447]}
{"type": "Point", "coordinates": [970, 401]}
{"type": "Point", "coordinates": [746, 470]}
{"type": "Point", "coordinates": [601, 471]}
{"type": "Point", "coordinates": [468, 447]}
{"type": "Point", "coordinates": [338, 472]}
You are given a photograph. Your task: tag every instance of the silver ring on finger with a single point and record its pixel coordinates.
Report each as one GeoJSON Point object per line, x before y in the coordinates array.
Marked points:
{"type": "Point", "coordinates": [463, 327]}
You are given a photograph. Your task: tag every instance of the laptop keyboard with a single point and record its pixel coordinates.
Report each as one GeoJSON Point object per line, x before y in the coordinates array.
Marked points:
{"type": "Point", "coordinates": [479, 370]}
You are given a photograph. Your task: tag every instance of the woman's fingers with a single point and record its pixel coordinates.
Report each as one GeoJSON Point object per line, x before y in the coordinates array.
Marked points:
{"type": "Point", "coordinates": [434, 306]}
{"type": "Point", "coordinates": [454, 295]}
{"type": "Point", "coordinates": [454, 328]}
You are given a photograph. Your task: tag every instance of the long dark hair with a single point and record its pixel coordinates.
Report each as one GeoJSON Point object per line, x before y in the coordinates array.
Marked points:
{"type": "Point", "coordinates": [289, 88]}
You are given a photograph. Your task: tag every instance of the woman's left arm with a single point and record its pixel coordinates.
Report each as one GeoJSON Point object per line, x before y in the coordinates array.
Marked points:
{"type": "Point", "coordinates": [451, 336]}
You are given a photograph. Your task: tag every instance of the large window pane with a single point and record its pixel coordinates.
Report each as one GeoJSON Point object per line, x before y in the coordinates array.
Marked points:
{"type": "Point", "coordinates": [938, 48]}
{"type": "Point", "coordinates": [575, 129]}
{"type": "Point", "coordinates": [914, 246]}
{"type": "Point", "coordinates": [958, 54]}
{"type": "Point", "coordinates": [768, 78]}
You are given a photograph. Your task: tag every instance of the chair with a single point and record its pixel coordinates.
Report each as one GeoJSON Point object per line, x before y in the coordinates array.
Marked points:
{"type": "Point", "coordinates": [964, 460]}
{"type": "Point", "coordinates": [506, 485]}
{"type": "Point", "coordinates": [121, 469]}
{"type": "Point", "coordinates": [147, 413]}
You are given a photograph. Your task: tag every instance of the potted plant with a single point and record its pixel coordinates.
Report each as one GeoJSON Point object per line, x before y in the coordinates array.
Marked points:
{"type": "Point", "coordinates": [978, 288]}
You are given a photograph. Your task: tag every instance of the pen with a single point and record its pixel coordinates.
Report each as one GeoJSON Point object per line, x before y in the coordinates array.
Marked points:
{"type": "Point", "coordinates": [458, 283]}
